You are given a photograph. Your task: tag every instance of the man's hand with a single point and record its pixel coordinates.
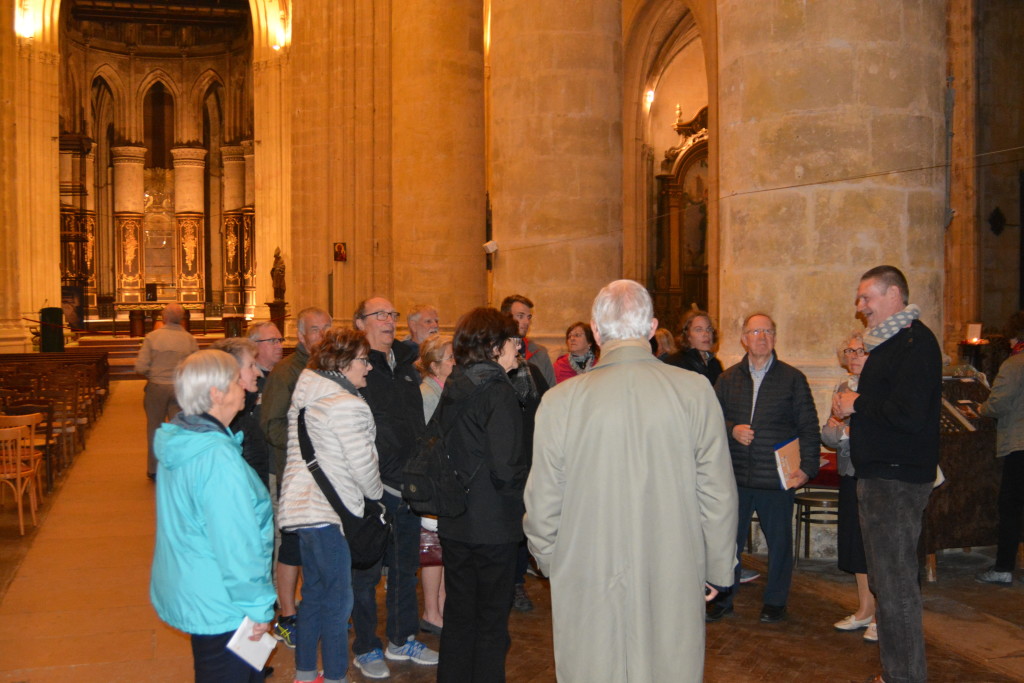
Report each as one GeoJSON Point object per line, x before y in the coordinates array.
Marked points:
{"type": "Point", "coordinates": [842, 403]}
{"type": "Point", "coordinates": [710, 592]}
{"type": "Point", "coordinates": [743, 433]}
{"type": "Point", "coordinates": [796, 479]}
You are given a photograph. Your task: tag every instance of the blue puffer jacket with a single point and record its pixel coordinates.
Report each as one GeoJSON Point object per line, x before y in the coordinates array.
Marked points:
{"type": "Point", "coordinates": [214, 530]}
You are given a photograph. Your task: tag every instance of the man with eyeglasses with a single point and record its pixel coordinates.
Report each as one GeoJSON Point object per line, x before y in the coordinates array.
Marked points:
{"type": "Point", "coordinates": [277, 398]}
{"type": "Point", "coordinates": [269, 347]}
{"type": "Point", "coordinates": [393, 394]}
{"type": "Point", "coordinates": [766, 402]}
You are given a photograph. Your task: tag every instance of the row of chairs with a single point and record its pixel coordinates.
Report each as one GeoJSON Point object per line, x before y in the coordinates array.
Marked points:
{"type": "Point", "coordinates": [47, 409]}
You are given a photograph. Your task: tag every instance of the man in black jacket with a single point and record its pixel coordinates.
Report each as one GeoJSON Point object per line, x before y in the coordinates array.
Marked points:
{"type": "Point", "coordinates": [393, 393]}
{"type": "Point", "coordinates": [766, 403]}
{"type": "Point", "coordinates": [894, 445]}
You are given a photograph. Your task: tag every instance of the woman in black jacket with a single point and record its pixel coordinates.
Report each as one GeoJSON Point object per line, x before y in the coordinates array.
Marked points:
{"type": "Point", "coordinates": [481, 415]}
{"type": "Point", "coordinates": [696, 341]}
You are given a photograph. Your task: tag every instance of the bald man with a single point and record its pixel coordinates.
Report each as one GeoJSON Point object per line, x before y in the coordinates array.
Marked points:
{"type": "Point", "coordinates": [162, 350]}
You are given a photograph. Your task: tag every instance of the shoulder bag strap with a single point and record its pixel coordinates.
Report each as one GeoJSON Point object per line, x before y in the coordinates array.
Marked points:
{"type": "Point", "coordinates": [309, 455]}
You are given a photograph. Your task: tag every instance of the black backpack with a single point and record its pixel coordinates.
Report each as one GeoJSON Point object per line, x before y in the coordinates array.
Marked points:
{"type": "Point", "coordinates": [432, 483]}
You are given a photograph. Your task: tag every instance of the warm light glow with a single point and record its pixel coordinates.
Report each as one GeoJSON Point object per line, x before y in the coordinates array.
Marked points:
{"type": "Point", "coordinates": [283, 31]}
{"type": "Point", "coordinates": [27, 19]}
{"type": "Point", "coordinates": [650, 97]}
{"type": "Point", "coordinates": [276, 47]}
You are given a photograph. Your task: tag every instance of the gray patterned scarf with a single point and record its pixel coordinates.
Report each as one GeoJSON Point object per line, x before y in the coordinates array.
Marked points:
{"type": "Point", "coordinates": [890, 327]}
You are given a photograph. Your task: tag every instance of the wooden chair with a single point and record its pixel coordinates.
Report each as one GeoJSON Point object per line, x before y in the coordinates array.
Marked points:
{"type": "Point", "coordinates": [31, 454]}
{"type": "Point", "coordinates": [65, 427]}
{"type": "Point", "coordinates": [15, 473]}
{"type": "Point", "coordinates": [44, 431]}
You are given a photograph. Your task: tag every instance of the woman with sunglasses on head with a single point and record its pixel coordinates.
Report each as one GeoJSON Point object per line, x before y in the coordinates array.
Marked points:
{"type": "Point", "coordinates": [435, 364]}
{"type": "Point", "coordinates": [835, 433]}
{"type": "Point", "coordinates": [696, 341]}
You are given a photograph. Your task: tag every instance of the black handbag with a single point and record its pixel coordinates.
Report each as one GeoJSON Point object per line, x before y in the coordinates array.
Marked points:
{"type": "Point", "coordinates": [367, 536]}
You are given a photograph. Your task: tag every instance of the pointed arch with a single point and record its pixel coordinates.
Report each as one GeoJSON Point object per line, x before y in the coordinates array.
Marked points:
{"type": "Point", "coordinates": [171, 86]}
{"type": "Point", "coordinates": [110, 77]}
{"type": "Point", "coordinates": [197, 93]}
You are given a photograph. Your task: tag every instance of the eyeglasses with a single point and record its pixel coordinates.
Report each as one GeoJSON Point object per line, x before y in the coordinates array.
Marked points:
{"type": "Point", "coordinates": [860, 353]}
{"type": "Point", "coordinates": [761, 332]}
{"type": "Point", "coordinates": [516, 342]}
{"type": "Point", "coordinates": [363, 359]}
{"type": "Point", "coordinates": [272, 340]}
{"type": "Point", "coordinates": [383, 315]}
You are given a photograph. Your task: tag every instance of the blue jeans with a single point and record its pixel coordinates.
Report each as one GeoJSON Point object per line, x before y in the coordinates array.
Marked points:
{"type": "Point", "coordinates": [775, 512]}
{"type": "Point", "coordinates": [403, 560]}
{"type": "Point", "coordinates": [890, 519]}
{"type": "Point", "coordinates": [326, 601]}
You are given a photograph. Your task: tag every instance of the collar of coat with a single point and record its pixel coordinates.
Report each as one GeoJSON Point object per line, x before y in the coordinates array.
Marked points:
{"type": "Point", "coordinates": [625, 350]}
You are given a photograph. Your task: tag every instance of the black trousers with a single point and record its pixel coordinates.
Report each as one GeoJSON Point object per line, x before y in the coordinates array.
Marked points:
{"type": "Point", "coordinates": [1011, 506]}
{"type": "Point", "coordinates": [478, 581]}
{"type": "Point", "coordinates": [215, 663]}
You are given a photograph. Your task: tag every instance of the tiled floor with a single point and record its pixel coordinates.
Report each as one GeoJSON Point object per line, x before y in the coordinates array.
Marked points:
{"type": "Point", "coordinates": [75, 600]}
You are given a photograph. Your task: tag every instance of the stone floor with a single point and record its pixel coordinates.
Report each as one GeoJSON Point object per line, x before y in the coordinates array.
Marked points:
{"type": "Point", "coordinates": [75, 598]}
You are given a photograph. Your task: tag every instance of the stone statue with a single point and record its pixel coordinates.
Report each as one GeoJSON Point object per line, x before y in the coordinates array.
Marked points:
{"type": "Point", "coordinates": [277, 275]}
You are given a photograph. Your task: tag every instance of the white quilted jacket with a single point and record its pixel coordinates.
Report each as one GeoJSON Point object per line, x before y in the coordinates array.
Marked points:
{"type": "Point", "coordinates": [342, 430]}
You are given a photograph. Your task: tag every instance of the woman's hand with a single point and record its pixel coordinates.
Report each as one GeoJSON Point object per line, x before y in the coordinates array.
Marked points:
{"type": "Point", "coordinates": [710, 592]}
{"type": "Point", "coordinates": [258, 630]}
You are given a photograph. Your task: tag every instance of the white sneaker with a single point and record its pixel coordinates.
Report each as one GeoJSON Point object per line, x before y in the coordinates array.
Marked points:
{"type": "Point", "coordinates": [412, 649]}
{"type": "Point", "coordinates": [852, 623]}
{"type": "Point", "coordinates": [871, 634]}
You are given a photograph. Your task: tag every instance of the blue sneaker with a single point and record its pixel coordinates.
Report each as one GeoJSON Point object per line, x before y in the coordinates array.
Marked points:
{"type": "Point", "coordinates": [284, 630]}
{"type": "Point", "coordinates": [372, 664]}
{"type": "Point", "coordinates": [412, 649]}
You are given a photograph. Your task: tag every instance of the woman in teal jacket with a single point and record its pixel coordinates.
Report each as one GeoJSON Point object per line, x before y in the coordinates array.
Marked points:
{"type": "Point", "coordinates": [214, 525]}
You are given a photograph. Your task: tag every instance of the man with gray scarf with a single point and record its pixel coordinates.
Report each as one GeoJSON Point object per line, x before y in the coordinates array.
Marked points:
{"type": "Point", "coordinates": [894, 445]}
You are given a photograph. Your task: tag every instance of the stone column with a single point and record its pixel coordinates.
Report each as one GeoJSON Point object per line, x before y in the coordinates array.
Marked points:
{"type": "Point", "coordinates": [820, 142]}
{"type": "Point", "coordinates": [189, 195]}
{"type": "Point", "coordinates": [249, 158]}
{"type": "Point", "coordinates": [233, 198]}
{"type": "Point", "coordinates": [129, 204]}
{"type": "Point", "coordinates": [439, 206]}
{"type": "Point", "coordinates": [556, 151]}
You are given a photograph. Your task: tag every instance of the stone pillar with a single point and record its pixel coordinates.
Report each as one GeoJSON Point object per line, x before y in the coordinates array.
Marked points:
{"type": "Point", "coordinates": [963, 282]}
{"type": "Point", "coordinates": [250, 173]}
{"type": "Point", "coordinates": [439, 206]}
{"type": "Point", "coordinates": [189, 195]}
{"type": "Point", "coordinates": [819, 142]}
{"type": "Point", "coordinates": [129, 203]}
{"type": "Point", "coordinates": [556, 150]}
{"type": "Point", "coordinates": [233, 178]}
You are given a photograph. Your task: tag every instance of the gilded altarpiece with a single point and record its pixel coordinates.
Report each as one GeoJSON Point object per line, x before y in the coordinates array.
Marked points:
{"type": "Point", "coordinates": [130, 273]}
{"type": "Point", "coordinates": [679, 277]}
{"type": "Point", "coordinates": [233, 257]}
{"type": "Point", "coordinates": [190, 264]}
{"type": "Point", "coordinates": [249, 259]}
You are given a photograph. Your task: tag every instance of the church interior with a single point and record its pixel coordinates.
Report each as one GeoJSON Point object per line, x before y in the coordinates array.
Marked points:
{"type": "Point", "coordinates": [731, 155]}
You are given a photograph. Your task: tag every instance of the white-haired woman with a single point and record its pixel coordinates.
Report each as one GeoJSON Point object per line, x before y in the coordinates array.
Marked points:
{"type": "Point", "coordinates": [214, 524]}
{"type": "Point", "coordinates": [836, 434]}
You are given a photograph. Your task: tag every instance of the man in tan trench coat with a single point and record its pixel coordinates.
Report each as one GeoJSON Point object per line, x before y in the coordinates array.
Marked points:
{"type": "Point", "coordinates": [631, 505]}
